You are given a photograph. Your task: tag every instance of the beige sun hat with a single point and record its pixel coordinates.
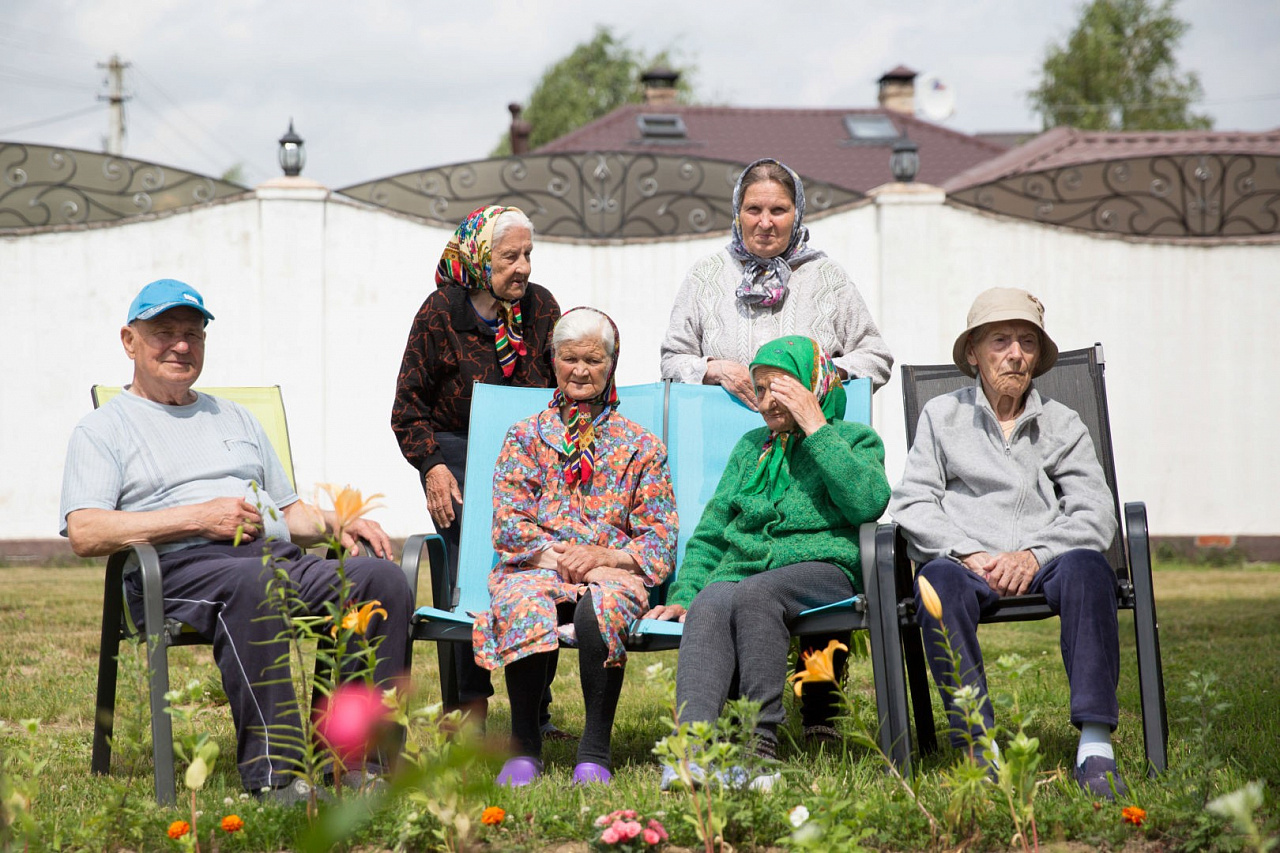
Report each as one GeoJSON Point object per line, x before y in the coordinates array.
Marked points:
{"type": "Point", "coordinates": [1000, 304]}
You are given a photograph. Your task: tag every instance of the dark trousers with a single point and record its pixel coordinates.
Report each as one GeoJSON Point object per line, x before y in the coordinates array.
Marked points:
{"type": "Point", "coordinates": [474, 682]}
{"type": "Point", "coordinates": [1080, 586]}
{"type": "Point", "coordinates": [220, 590]}
{"type": "Point", "coordinates": [742, 630]}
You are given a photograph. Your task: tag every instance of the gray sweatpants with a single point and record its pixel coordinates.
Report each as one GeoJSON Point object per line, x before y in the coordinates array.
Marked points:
{"type": "Point", "coordinates": [742, 629]}
{"type": "Point", "coordinates": [219, 590]}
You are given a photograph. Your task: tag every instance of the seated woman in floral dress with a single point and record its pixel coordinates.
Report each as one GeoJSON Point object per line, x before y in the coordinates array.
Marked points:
{"type": "Point", "coordinates": [584, 525]}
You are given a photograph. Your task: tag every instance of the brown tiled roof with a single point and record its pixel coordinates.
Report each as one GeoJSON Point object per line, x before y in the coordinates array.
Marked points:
{"type": "Point", "coordinates": [1065, 146]}
{"type": "Point", "coordinates": [814, 142]}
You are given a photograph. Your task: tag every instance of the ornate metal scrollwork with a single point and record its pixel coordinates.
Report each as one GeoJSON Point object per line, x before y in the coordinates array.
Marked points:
{"type": "Point", "coordinates": [1195, 195]}
{"type": "Point", "coordinates": [597, 195]}
{"type": "Point", "coordinates": [44, 186]}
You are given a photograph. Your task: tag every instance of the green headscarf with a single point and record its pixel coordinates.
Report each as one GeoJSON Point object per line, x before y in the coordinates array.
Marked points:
{"type": "Point", "coordinates": [804, 359]}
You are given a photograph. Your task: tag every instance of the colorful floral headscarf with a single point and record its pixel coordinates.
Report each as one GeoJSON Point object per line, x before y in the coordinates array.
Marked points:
{"type": "Point", "coordinates": [804, 359]}
{"type": "Point", "coordinates": [468, 262]}
{"type": "Point", "coordinates": [764, 280]}
{"type": "Point", "coordinates": [579, 427]}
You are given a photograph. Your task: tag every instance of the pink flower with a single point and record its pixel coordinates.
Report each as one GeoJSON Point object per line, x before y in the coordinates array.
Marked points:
{"type": "Point", "coordinates": [658, 828]}
{"type": "Point", "coordinates": [651, 838]}
{"type": "Point", "coordinates": [603, 820]}
{"type": "Point", "coordinates": [350, 719]}
{"type": "Point", "coordinates": [629, 829]}
{"type": "Point", "coordinates": [610, 836]}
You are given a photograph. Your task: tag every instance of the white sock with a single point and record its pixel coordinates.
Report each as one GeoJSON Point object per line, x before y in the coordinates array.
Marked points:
{"type": "Point", "coordinates": [1095, 739]}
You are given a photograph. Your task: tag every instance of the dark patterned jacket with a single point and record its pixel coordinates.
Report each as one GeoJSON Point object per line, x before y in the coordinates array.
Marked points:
{"type": "Point", "coordinates": [450, 348]}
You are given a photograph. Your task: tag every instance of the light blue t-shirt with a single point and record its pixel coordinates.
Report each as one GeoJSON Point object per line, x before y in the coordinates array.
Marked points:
{"type": "Point", "coordinates": [137, 455]}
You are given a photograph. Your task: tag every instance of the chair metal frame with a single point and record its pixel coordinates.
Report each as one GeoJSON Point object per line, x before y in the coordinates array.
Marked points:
{"type": "Point", "coordinates": [1129, 555]}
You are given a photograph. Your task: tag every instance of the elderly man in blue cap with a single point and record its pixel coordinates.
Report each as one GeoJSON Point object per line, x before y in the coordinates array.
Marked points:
{"type": "Point", "coordinates": [187, 473]}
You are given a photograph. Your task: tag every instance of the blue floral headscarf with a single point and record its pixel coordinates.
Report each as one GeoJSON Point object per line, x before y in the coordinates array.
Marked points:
{"type": "Point", "coordinates": [764, 280]}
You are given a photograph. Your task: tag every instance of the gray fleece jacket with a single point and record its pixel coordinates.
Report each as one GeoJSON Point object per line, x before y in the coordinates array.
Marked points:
{"type": "Point", "coordinates": [966, 489]}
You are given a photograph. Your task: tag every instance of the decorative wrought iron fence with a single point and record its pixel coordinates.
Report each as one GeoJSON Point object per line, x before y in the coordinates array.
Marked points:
{"type": "Point", "coordinates": [43, 186]}
{"type": "Point", "coordinates": [604, 195]}
{"type": "Point", "coordinates": [1194, 195]}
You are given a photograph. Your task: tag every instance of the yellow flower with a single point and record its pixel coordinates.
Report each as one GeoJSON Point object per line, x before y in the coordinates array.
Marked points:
{"type": "Point", "coordinates": [357, 618]}
{"type": "Point", "coordinates": [178, 828]}
{"type": "Point", "coordinates": [493, 816]}
{"type": "Point", "coordinates": [232, 823]}
{"type": "Point", "coordinates": [349, 506]}
{"type": "Point", "coordinates": [818, 666]}
{"type": "Point", "coordinates": [929, 596]}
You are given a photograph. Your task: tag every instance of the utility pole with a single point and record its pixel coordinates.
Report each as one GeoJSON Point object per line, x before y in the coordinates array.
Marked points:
{"type": "Point", "coordinates": [114, 143]}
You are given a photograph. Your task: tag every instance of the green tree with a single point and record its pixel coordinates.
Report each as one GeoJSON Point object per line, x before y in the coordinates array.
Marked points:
{"type": "Point", "coordinates": [1117, 71]}
{"type": "Point", "coordinates": [597, 77]}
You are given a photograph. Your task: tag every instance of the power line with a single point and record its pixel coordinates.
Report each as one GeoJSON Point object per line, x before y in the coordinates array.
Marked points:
{"type": "Point", "coordinates": [51, 120]}
{"type": "Point", "coordinates": [30, 78]}
{"type": "Point", "coordinates": [212, 160]}
{"type": "Point", "coordinates": [237, 155]}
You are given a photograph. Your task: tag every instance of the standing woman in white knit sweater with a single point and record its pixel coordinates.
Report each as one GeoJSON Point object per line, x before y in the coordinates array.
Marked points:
{"type": "Point", "coordinates": [766, 284]}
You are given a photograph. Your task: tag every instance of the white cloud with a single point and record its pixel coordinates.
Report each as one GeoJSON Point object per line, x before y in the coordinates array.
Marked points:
{"type": "Point", "coordinates": [384, 87]}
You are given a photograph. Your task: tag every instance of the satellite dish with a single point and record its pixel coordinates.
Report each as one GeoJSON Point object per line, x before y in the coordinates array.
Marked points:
{"type": "Point", "coordinates": [935, 100]}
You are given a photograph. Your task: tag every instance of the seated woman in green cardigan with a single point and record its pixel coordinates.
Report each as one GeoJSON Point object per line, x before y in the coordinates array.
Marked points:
{"type": "Point", "coordinates": [779, 537]}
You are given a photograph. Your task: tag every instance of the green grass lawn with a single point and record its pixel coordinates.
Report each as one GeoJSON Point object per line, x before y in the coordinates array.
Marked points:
{"type": "Point", "coordinates": [1224, 621]}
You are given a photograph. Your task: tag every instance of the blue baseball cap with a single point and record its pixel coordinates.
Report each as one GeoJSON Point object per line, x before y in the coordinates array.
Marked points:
{"type": "Point", "coordinates": [161, 295]}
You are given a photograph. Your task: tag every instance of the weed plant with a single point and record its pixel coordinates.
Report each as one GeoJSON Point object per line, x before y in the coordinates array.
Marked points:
{"type": "Point", "coordinates": [1219, 630]}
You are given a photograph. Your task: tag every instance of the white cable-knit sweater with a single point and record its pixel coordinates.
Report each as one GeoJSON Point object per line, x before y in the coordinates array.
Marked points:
{"type": "Point", "coordinates": [709, 321]}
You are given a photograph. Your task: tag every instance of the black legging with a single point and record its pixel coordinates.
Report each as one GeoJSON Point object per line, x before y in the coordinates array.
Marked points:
{"type": "Point", "coordinates": [601, 687]}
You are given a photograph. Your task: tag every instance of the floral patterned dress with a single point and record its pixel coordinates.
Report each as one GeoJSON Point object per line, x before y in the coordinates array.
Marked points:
{"type": "Point", "coordinates": [628, 505]}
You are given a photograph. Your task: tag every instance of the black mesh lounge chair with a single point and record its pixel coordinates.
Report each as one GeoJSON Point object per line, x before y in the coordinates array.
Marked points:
{"type": "Point", "coordinates": [1075, 381]}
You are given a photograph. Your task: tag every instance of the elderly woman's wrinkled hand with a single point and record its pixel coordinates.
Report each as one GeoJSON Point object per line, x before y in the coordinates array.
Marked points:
{"type": "Point", "coordinates": [632, 582]}
{"type": "Point", "coordinates": [734, 378]}
{"type": "Point", "coordinates": [669, 612]}
{"type": "Point", "coordinates": [574, 560]}
{"type": "Point", "coordinates": [442, 491]}
{"type": "Point", "coordinates": [800, 401]}
{"type": "Point", "coordinates": [1011, 572]}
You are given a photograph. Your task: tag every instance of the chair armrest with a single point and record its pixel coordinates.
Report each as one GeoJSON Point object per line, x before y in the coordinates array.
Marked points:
{"type": "Point", "coordinates": [152, 589]}
{"type": "Point", "coordinates": [433, 545]}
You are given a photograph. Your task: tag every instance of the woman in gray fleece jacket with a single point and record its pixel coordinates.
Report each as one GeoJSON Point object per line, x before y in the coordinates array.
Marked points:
{"type": "Point", "coordinates": [1003, 495]}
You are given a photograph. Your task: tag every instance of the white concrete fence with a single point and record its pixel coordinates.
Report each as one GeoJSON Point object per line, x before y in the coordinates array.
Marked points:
{"type": "Point", "coordinates": [316, 294]}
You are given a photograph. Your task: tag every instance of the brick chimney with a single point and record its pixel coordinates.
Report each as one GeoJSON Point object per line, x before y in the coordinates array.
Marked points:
{"type": "Point", "coordinates": [659, 86]}
{"type": "Point", "coordinates": [520, 130]}
{"type": "Point", "coordinates": [898, 90]}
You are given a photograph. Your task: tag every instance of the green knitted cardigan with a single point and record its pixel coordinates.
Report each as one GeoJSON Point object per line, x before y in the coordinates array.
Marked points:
{"type": "Point", "coordinates": [838, 482]}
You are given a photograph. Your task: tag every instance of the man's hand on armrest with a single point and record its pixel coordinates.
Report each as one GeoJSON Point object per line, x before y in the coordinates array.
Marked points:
{"type": "Point", "coordinates": [99, 532]}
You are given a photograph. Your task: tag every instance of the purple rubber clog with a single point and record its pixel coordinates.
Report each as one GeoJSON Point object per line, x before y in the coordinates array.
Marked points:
{"type": "Point", "coordinates": [587, 772]}
{"type": "Point", "coordinates": [519, 771]}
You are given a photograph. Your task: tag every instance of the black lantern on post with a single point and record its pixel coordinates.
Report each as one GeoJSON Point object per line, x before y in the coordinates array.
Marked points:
{"type": "Point", "coordinates": [904, 162]}
{"type": "Point", "coordinates": [293, 155]}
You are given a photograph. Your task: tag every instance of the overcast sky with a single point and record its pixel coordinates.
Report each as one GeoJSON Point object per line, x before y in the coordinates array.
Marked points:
{"type": "Point", "coordinates": [386, 86]}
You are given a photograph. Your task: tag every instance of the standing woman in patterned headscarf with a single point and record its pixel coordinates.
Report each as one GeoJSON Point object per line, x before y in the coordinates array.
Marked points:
{"type": "Point", "coordinates": [584, 523]}
{"type": "Point", "coordinates": [485, 322]}
{"type": "Point", "coordinates": [769, 282]}
{"type": "Point", "coordinates": [780, 536]}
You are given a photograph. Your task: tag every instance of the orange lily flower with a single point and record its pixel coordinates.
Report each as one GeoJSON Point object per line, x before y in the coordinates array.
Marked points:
{"type": "Point", "coordinates": [818, 666]}
{"type": "Point", "coordinates": [357, 618]}
{"type": "Point", "coordinates": [349, 506]}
